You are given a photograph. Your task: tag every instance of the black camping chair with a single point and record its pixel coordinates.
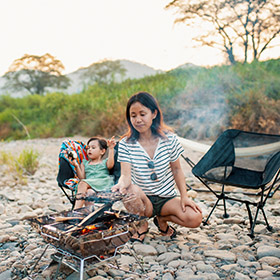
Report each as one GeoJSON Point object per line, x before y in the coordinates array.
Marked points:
{"type": "Point", "coordinates": [66, 178]}
{"type": "Point", "coordinates": [65, 172]}
{"type": "Point", "coordinates": [241, 159]}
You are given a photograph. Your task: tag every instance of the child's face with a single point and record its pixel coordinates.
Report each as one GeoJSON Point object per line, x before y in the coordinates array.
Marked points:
{"type": "Point", "coordinates": [94, 151]}
{"type": "Point", "coordinates": [141, 117]}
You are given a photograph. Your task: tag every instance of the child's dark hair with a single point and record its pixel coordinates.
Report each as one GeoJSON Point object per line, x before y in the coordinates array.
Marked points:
{"type": "Point", "coordinates": [101, 142]}
{"type": "Point", "coordinates": [158, 127]}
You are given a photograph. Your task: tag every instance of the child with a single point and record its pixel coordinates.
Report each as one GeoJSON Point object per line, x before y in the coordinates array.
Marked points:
{"type": "Point", "coordinates": [94, 173]}
{"type": "Point", "coordinates": [150, 167]}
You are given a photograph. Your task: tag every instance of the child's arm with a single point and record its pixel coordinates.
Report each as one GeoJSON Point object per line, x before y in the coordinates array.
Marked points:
{"type": "Point", "coordinates": [111, 144]}
{"type": "Point", "coordinates": [80, 168]}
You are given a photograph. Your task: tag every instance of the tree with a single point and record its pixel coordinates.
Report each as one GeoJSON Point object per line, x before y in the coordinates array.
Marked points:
{"type": "Point", "coordinates": [104, 71]}
{"type": "Point", "coordinates": [235, 26]}
{"type": "Point", "coordinates": [36, 74]}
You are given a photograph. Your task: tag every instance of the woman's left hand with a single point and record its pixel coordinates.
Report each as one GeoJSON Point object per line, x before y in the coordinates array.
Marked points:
{"type": "Point", "coordinates": [186, 201]}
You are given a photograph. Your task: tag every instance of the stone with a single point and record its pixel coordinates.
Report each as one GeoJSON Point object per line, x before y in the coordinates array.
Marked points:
{"type": "Point", "coordinates": [192, 193]}
{"type": "Point", "coordinates": [240, 276]}
{"type": "Point", "coordinates": [274, 261]}
{"type": "Point", "coordinates": [167, 257]}
{"type": "Point", "coordinates": [266, 251]}
{"type": "Point", "coordinates": [263, 273]}
{"type": "Point", "coordinates": [4, 238]}
{"type": "Point", "coordinates": [2, 209]}
{"type": "Point", "coordinates": [145, 250]}
{"type": "Point", "coordinates": [6, 275]}
{"type": "Point", "coordinates": [220, 254]}
{"type": "Point", "coordinates": [167, 276]}
{"type": "Point", "coordinates": [231, 267]}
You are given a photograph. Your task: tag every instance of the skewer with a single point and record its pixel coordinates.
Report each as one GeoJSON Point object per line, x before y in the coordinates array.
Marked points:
{"type": "Point", "coordinates": [64, 219]}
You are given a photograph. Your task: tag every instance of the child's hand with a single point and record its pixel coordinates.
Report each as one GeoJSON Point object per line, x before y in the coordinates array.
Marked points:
{"type": "Point", "coordinates": [73, 161]}
{"type": "Point", "coordinates": [72, 158]}
{"type": "Point", "coordinates": [111, 143]}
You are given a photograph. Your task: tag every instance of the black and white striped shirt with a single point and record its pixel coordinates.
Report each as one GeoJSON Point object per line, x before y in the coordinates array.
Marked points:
{"type": "Point", "coordinates": [168, 150]}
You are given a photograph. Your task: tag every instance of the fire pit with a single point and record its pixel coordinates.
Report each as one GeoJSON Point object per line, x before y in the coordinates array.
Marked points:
{"type": "Point", "coordinates": [107, 233]}
{"type": "Point", "coordinates": [87, 236]}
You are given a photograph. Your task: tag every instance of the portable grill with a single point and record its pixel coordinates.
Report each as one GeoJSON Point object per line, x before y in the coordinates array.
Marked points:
{"type": "Point", "coordinates": [85, 236]}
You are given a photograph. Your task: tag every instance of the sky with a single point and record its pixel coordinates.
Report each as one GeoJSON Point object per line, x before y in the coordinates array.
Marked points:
{"type": "Point", "coordinates": [82, 32]}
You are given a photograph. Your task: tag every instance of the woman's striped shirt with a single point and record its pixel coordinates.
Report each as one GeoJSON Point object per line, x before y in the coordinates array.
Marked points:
{"type": "Point", "coordinates": [168, 150]}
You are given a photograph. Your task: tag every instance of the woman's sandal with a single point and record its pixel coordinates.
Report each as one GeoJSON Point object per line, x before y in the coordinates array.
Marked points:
{"type": "Point", "coordinates": [139, 235]}
{"type": "Point", "coordinates": [165, 231]}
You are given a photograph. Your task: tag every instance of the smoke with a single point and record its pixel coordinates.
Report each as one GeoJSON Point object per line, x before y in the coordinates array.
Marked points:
{"type": "Point", "coordinates": [203, 121]}
{"type": "Point", "coordinates": [202, 110]}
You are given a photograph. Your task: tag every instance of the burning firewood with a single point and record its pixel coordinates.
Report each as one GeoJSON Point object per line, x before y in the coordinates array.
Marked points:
{"type": "Point", "coordinates": [90, 218]}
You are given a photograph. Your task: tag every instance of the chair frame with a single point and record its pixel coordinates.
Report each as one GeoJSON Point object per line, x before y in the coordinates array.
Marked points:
{"type": "Point", "coordinates": [71, 197]}
{"type": "Point", "coordinates": [68, 192]}
{"type": "Point", "coordinates": [266, 191]}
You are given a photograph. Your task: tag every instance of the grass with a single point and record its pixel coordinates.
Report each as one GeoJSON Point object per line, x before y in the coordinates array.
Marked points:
{"type": "Point", "coordinates": [26, 164]}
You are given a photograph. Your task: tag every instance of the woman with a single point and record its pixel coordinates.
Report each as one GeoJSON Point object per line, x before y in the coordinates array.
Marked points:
{"type": "Point", "coordinates": [150, 168]}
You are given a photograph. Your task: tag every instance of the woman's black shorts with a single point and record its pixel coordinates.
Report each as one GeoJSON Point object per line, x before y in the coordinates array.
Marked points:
{"type": "Point", "coordinates": [158, 203]}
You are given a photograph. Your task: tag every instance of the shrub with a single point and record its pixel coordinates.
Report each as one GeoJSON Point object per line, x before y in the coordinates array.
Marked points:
{"type": "Point", "coordinates": [256, 112]}
{"type": "Point", "coordinates": [27, 162]}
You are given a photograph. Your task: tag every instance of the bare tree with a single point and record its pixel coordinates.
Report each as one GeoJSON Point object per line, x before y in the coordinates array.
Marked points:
{"type": "Point", "coordinates": [235, 26]}
{"type": "Point", "coordinates": [35, 74]}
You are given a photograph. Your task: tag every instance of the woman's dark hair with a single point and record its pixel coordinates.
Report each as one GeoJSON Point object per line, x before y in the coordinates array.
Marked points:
{"type": "Point", "coordinates": [101, 142]}
{"type": "Point", "coordinates": [159, 128]}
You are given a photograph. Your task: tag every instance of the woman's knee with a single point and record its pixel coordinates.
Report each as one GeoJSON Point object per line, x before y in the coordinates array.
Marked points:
{"type": "Point", "coordinates": [138, 203]}
{"type": "Point", "coordinates": [193, 219]}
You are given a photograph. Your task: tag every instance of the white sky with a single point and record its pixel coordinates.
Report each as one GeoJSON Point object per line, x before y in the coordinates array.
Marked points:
{"type": "Point", "coordinates": [81, 32]}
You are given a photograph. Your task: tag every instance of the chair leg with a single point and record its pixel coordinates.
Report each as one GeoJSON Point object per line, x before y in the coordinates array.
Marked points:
{"type": "Point", "coordinates": [205, 222]}
{"type": "Point", "coordinates": [269, 227]}
{"type": "Point", "coordinates": [254, 223]}
{"type": "Point", "coordinates": [226, 215]}
{"type": "Point", "coordinates": [249, 215]}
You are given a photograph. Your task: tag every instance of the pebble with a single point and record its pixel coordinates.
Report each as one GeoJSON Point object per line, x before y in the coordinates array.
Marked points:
{"type": "Point", "coordinates": [220, 250]}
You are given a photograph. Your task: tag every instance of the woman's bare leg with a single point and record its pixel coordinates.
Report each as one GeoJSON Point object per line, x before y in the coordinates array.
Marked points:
{"type": "Point", "coordinates": [172, 211]}
{"type": "Point", "coordinates": [138, 203]}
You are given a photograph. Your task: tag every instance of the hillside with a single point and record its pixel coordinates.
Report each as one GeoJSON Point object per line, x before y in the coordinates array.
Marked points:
{"type": "Point", "coordinates": [198, 103]}
{"type": "Point", "coordinates": [134, 70]}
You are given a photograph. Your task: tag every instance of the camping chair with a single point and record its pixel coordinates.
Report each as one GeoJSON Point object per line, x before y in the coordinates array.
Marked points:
{"type": "Point", "coordinates": [67, 178]}
{"type": "Point", "coordinates": [241, 159]}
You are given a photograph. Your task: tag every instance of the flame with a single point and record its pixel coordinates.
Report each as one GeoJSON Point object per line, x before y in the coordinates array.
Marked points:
{"type": "Point", "coordinates": [88, 229]}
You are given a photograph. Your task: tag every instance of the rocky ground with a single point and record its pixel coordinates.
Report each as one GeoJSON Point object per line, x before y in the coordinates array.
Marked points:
{"type": "Point", "coordinates": [220, 250]}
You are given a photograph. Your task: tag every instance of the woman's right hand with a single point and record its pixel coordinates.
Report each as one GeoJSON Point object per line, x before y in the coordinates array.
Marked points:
{"type": "Point", "coordinates": [115, 188]}
{"type": "Point", "coordinates": [118, 188]}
